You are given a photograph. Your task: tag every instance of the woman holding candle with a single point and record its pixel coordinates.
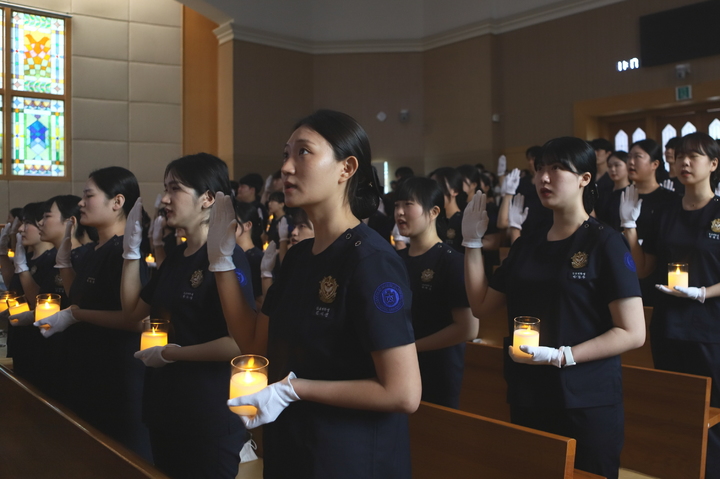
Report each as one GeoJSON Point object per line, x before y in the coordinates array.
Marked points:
{"type": "Point", "coordinates": [441, 314]}
{"type": "Point", "coordinates": [336, 324]}
{"type": "Point", "coordinates": [685, 331]}
{"type": "Point", "coordinates": [578, 277]}
{"type": "Point", "coordinates": [192, 431]}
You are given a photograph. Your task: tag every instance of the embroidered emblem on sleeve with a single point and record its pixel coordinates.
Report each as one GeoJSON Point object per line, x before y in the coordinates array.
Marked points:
{"type": "Point", "coordinates": [240, 277]}
{"type": "Point", "coordinates": [715, 225]}
{"type": "Point", "coordinates": [196, 279]}
{"type": "Point", "coordinates": [630, 262]}
{"type": "Point", "coordinates": [328, 289]}
{"type": "Point", "coordinates": [427, 275]}
{"type": "Point", "coordinates": [388, 298]}
{"type": "Point", "coordinates": [579, 260]}
{"type": "Point", "coordinates": [450, 233]}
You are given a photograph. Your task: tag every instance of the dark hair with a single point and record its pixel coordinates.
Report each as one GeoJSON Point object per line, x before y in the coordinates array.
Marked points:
{"type": "Point", "coordinates": [428, 194]}
{"type": "Point", "coordinates": [450, 179]}
{"type": "Point", "coordinates": [601, 144]}
{"type": "Point", "coordinates": [68, 207]}
{"type": "Point", "coordinates": [277, 175]}
{"type": "Point", "coordinates": [672, 143]}
{"type": "Point", "coordinates": [203, 172]}
{"type": "Point", "coordinates": [253, 180]}
{"type": "Point", "coordinates": [533, 152]}
{"type": "Point", "coordinates": [32, 213]}
{"type": "Point", "coordinates": [620, 155]}
{"type": "Point", "coordinates": [703, 144]}
{"type": "Point", "coordinates": [247, 212]}
{"type": "Point", "coordinates": [299, 217]}
{"type": "Point", "coordinates": [114, 181]}
{"type": "Point", "coordinates": [487, 179]}
{"type": "Point", "coordinates": [575, 155]}
{"type": "Point", "coordinates": [348, 138]}
{"type": "Point", "coordinates": [470, 173]}
{"type": "Point", "coordinates": [277, 196]}
{"type": "Point", "coordinates": [404, 172]}
{"type": "Point", "coordinates": [655, 152]}
{"type": "Point", "coordinates": [16, 212]}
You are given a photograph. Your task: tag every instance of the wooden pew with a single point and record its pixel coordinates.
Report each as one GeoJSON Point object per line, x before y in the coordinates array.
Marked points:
{"type": "Point", "coordinates": [446, 442]}
{"type": "Point", "coordinates": [641, 356]}
{"type": "Point", "coordinates": [41, 439]}
{"type": "Point", "coordinates": [667, 415]}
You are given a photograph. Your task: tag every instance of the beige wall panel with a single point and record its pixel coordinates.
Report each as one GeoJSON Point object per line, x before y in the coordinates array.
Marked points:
{"type": "Point", "coordinates": [114, 9]}
{"type": "Point", "coordinates": [159, 12]}
{"type": "Point", "coordinates": [362, 85]}
{"type": "Point", "coordinates": [155, 83]}
{"type": "Point", "coordinates": [155, 123]}
{"type": "Point", "coordinates": [149, 191]}
{"type": "Point", "coordinates": [21, 193]}
{"type": "Point", "coordinates": [100, 79]}
{"type": "Point", "coordinates": [99, 38]}
{"type": "Point", "coordinates": [91, 155]}
{"type": "Point", "coordinates": [155, 44]}
{"type": "Point", "coordinates": [56, 5]}
{"type": "Point", "coordinates": [148, 160]}
{"type": "Point", "coordinates": [99, 120]}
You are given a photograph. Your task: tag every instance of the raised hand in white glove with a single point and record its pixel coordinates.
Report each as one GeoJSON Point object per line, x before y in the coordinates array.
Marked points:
{"type": "Point", "coordinates": [630, 207]}
{"type": "Point", "coordinates": [268, 261]}
{"type": "Point", "coordinates": [62, 258]}
{"type": "Point", "coordinates": [133, 232]}
{"type": "Point", "coordinates": [20, 258]}
{"type": "Point", "coordinates": [668, 185]}
{"type": "Point", "coordinates": [15, 226]}
{"type": "Point", "coordinates": [153, 358]}
{"type": "Point", "coordinates": [516, 214]}
{"type": "Point", "coordinates": [57, 322]}
{"type": "Point", "coordinates": [270, 402]}
{"type": "Point", "coordinates": [26, 318]}
{"type": "Point", "coordinates": [5, 239]}
{"type": "Point", "coordinates": [511, 183]}
{"type": "Point", "coordinates": [283, 229]}
{"type": "Point", "coordinates": [158, 227]}
{"type": "Point", "coordinates": [221, 234]}
{"type": "Point", "coordinates": [474, 222]}
{"type": "Point", "coordinates": [717, 190]}
{"type": "Point", "coordinates": [397, 237]}
{"type": "Point", "coordinates": [692, 292]}
{"type": "Point", "coordinates": [540, 355]}
{"type": "Point", "coordinates": [502, 165]}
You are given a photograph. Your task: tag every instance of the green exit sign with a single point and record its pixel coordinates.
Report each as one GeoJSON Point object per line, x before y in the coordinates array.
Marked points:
{"type": "Point", "coordinates": [683, 92]}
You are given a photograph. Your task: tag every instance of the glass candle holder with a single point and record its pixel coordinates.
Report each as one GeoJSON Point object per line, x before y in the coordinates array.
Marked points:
{"type": "Point", "coordinates": [155, 333]}
{"type": "Point", "coordinates": [17, 304]}
{"type": "Point", "coordinates": [526, 333]}
{"type": "Point", "coordinates": [249, 375]}
{"type": "Point", "coordinates": [47, 304]}
{"type": "Point", "coordinates": [4, 296]}
{"type": "Point", "coordinates": [677, 275]}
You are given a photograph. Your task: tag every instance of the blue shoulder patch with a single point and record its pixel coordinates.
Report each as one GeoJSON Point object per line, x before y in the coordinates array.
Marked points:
{"type": "Point", "coordinates": [388, 298]}
{"type": "Point", "coordinates": [630, 263]}
{"type": "Point", "coordinates": [241, 277]}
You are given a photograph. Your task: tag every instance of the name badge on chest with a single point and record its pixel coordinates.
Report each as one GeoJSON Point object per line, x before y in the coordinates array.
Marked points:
{"type": "Point", "coordinates": [326, 295]}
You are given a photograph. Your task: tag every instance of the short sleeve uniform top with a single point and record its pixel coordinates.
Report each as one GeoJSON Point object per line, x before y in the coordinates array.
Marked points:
{"type": "Point", "coordinates": [454, 232]}
{"type": "Point", "coordinates": [437, 281]}
{"type": "Point", "coordinates": [568, 284]}
{"type": "Point", "coordinates": [328, 312]}
{"type": "Point", "coordinates": [191, 393]}
{"type": "Point", "coordinates": [691, 237]}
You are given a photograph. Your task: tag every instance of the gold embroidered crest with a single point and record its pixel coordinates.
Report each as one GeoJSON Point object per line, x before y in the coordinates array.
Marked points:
{"type": "Point", "coordinates": [579, 260]}
{"type": "Point", "coordinates": [33, 270]}
{"type": "Point", "coordinates": [328, 289]}
{"type": "Point", "coordinates": [450, 233]}
{"type": "Point", "coordinates": [427, 275]}
{"type": "Point", "coordinates": [196, 279]}
{"type": "Point", "coordinates": [715, 225]}
{"type": "Point", "coordinates": [58, 280]}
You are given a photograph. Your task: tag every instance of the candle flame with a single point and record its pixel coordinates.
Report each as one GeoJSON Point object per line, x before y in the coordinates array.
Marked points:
{"type": "Point", "coordinates": [46, 305]}
{"type": "Point", "coordinates": [154, 329]}
{"type": "Point", "coordinates": [251, 362]}
{"type": "Point", "coordinates": [677, 270]}
{"type": "Point", "coordinates": [248, 377]}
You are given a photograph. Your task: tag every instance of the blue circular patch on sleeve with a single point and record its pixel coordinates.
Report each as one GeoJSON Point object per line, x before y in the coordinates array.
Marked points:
{"type": "Point", "coordinates": [388, 298]}
{"type": "Point", "coordinates": [630, 263]}
{"type": "Point", "coordinates": [241, 277]}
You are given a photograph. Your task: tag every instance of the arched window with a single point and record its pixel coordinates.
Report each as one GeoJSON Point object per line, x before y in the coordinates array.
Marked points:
{"type": "Point", "coordinates": [714, 129]}
{"type": "Point", "coordinates": [621, 141]}
{"type": "Point", "coordinates": [688, 128]}
{"type": "Point", "coordinates": [639, 134]}
{"type": "Point", "coordinates": [668, 132]}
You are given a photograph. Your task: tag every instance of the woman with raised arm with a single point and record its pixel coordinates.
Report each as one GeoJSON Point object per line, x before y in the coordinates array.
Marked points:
{"type": "Point", "coordinates": [578, 278]}
{"type": "Point", "coordinates": [343, 363]}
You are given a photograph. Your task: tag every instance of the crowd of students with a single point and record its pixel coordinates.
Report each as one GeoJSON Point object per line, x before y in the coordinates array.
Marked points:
{"type": "Point", "coordinates": [362, 301]}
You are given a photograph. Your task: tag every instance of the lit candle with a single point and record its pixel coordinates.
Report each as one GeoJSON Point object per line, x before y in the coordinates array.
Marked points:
{"type": "Point", "coordinates": [526, 333]}
{"type": "Point", "coordinates": [155, 333]}
{"type": "Point", "coordinates": [11, 253]}
{"type": "Point", "coordinates": [249, 376]}
{"type": "Point", "coordinates": [45, 308]}
{"type": "Point", "coordinates": [4, 296]}
{"type": "Point", "coordinates": [18, 305]}
{"type": "Point", "coordinates": [150, 258]}
{"type": "Point", "coordinates": [677, 275]}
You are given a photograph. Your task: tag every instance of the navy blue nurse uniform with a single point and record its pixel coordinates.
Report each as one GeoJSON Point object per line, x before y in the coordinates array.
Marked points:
{"type": "Point", "coordinates": [328, 313]}
{"type": "Point", "coordinates": [254, 258]}
{"type": "Point", "coordinates": [569, 284]}
{"type": "Point", "coordinates": [193, 432]}
{"type": "Point", "coordinates": [685, 334]}
{"type": "Point", "coordinates": [437, 280]}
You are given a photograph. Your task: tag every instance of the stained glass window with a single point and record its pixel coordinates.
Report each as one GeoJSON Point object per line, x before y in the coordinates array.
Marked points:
{"type": "Point", "coordinates": [38, 53]}
{"type": "Point", "coordinates": [621, 141]}
{"type": "Point", "coordinates": [38, 137]}
{"type": "Point", "coordinates": [688, 128]}
{"type": "Point", "coordinates": [638, 134]}
{"type": "Point", "coordinates": [714, 129]}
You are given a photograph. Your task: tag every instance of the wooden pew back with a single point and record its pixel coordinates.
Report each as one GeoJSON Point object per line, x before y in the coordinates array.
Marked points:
{"type": "Point", "coordinates": [483, 389]}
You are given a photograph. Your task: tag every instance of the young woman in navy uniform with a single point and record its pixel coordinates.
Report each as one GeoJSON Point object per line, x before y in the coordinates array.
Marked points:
{"type": "Point", "coordinates": [578, 277]}
{"type": "Point", "coordinates": [451, 182]}
{"type": "Point", "coordinates": [192, 431]}
{"type": "Point", "coordinates": [441, 314]}
{"type": "Point", "coordinates": [101, 380]}
{"type": "Point", "coordinates": [685, 331]}
{"type": "Point", "coordinates": [340, 331]}
{"type": "Point", "coordinates": [247, 216]}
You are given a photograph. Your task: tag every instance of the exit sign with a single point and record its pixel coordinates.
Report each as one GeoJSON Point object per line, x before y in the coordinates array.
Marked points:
{"type": "Point", "coordinates": [683, 92]}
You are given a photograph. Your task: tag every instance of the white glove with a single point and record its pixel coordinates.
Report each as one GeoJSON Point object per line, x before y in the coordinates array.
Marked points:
{"type": "Point", "coordinates": [20, 259]}
{"type": "Point", "coordinates": [516, 214]}
{"type": "Point", "coordinates": [26, 318]}
{"type": "Point", "coordinates": [630, 206]}
{"type": "Point", "coordinates": [15, 226]}
{"type": "Point", "coordinates": [668, 185]}
{"type": "Point", "coordinates": [541, 355]}
{"type": "Point", "coordinates": [58, 322]}
{"type": "Point", "coordinates": [133, 232]}
{"type": "Point", "coordinates": [158, 228]}
{"type": "Point", "coordinates": [5, 239]}
{"type": "Point", "coordinates": [697, 294]}
{"type": "Point", "coordinates": [717, 192]}
{"type": "Point", "coordinates": [268, 261]}
{"type": "Point", "coordinates": [283, 229]}
{"type": "Point", "coordinates": [397, 237]}
{"type": "Point", "coordinates": [511, 183]}
{"type": "Point", "coordinates": [502, 165]}
{"type": "Point", "coordinates": [474, 222]}
{"type": "Point", "coordinates": [221, 234]}
{"type": "Point", "coordinates": [62, 258]}
{"type": "Point", "coordinates": [153, 358]}
{"type": "Point", "coordinates": [270, 402]}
